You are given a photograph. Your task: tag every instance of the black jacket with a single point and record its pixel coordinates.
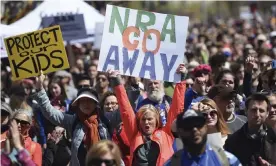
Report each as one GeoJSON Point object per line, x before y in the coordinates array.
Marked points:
{"type": "Point", "coordinates": [248, 149]}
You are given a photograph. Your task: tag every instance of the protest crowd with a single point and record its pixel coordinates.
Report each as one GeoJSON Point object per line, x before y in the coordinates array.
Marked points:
{"type": "Point", "coordinates": [222, 110]}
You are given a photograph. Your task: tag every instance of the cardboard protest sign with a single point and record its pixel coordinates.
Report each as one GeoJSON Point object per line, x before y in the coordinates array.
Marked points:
{"type": "Point", "coordinates": [143, 44]}
{"type": "Point", "coordinates": [39, 50]}
{"type": "Point", "coordinates": [72, 26]}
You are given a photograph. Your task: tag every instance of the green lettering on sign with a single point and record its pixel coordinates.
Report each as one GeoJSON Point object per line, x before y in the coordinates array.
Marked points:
{"type": "Point", "coordinates": [143, 25]}
{"type": "Point", "coordinates": [116, 17]}
{"type": "Point", "coordinates": [169, 19]}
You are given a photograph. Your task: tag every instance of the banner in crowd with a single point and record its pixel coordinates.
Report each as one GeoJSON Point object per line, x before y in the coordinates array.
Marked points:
{"type": "Point", "coordinates": [72, 26]}
{"type": "Point", "coordinates": [39, 50]}
{"type": "Point", "coordinates": [143, 44]}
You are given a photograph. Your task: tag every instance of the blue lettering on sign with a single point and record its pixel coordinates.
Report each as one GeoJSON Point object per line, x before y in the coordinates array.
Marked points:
{"type": "Point", "coordinates": [167, 67]}
{"type": "Point", "coordinates": [150, 68]}
{"type": "Point", "coordinates": [109, 61]}
{"type": "Point", "coordinates": [129, 63]}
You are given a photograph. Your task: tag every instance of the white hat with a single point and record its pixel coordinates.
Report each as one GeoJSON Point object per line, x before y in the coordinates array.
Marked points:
{"type": "Point", "coordinates": [85, 94]}
{"type": "Point", "coordinates": [261, 37]}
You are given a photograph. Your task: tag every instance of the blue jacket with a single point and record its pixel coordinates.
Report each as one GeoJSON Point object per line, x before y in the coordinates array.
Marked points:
{"type": "Point", "coordinates": [189, 96]}
{"type": "Point", "coordinates": [209, 157]}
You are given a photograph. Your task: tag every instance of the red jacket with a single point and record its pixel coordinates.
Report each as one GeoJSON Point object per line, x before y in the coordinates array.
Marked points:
{"type": "Point", "coordinates": [120, 138]}
{"type": "Point", "coordinates": [163, 137]}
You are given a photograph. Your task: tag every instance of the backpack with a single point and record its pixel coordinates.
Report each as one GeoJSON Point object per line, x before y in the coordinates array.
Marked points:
{"type": "Point", "coordinates": [176, 158]}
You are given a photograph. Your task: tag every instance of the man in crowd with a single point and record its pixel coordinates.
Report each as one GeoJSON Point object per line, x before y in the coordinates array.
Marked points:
{"type": "Point", "coordinates": [192, 129]}
{"type": "Point", "coordinates": [102, 85]}
{"type": "Point", "coordinates": [198, 89]}
{"type": "Point", "coordinates": [83, 81]}
{"type": "Point", "coordinates": [92, 73]}
{"type": "Point", "coordinates": [156, 96]}
{"type": "Point", "coordinates": [255, 142]}
{"type": "Point", "coordinates": [224, 97]}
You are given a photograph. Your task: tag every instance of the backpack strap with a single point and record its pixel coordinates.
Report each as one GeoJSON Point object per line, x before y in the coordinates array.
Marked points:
{"type": "Point", "coordinates": [176, 158]}
{"type": "Point", "coordinates": [221, 156]}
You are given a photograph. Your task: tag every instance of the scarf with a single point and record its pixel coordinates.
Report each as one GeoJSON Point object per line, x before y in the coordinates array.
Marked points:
{"type": "Point", "coordinates": [90, 128]}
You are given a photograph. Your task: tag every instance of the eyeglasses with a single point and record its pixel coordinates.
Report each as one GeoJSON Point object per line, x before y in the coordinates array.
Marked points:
{"type": "Point", "coordinates": [22, 122]}
{"type": "Point", "coordinates": [111, 103]}
{"type": "Point", "coordinates": [212, 113]}
{"type": "Point", "coordinates": [98, 162]}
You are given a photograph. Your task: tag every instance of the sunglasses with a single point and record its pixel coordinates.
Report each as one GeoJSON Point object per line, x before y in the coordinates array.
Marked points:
{"type": "Point", "coordinates": [22, 122]}
{"type": "Point", "coordinates": [103, 79]}
{"type": "Point", "coordinates": [212, 113]}
{"type": "Point", "coordinates": [98, 162]}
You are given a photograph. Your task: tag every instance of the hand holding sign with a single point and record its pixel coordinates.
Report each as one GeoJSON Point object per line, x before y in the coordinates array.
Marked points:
{"type": "Point", "coordinates": [39, 80]}
{"type": "Point", "coordinates": [39, 50]}
{"type": "Point", "coordinates": [181, 69]}
{"type": "Point", "coordinates": [143, 44]}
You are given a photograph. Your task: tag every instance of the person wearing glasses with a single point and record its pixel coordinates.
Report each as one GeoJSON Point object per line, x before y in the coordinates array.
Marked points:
{"type": "Point", "coordinates": [104, 153]}
{"type": "Point", "coordinates": [85, 126]}
{"type": "Point", "coordinates": [192, 127]}
{"type": "Point", "coordinates": [224, 97]}
{"type": "Point", "coordinates": [14, 151]}
{"type": "Point", "coordinates": [110, 108]}
{"type": "Point", "coordinates": [150, 142]}
{"type": "Point", "coordinates": [23, 118]}
{"type": "Point", "coordinates": [216, 125]}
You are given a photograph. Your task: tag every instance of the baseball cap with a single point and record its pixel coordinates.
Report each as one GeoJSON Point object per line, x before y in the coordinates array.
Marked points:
{"type": "Point", "coordinates": [190, 119]}
{"type": "Point", "coordinates": [222, 91]}
{"type": "Point", "coordinates": [86, 92]}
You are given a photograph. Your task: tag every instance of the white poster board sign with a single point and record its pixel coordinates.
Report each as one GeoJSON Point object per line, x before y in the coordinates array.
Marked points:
{"type": "Point", "coordinates": [72, 26]}
{"type": "Point", "coordinates": [143, 44]}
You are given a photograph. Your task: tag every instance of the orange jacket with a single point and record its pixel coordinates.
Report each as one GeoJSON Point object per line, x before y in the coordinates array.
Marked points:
{"type": "Point", "coordinates": [34, 149]}
{"type": "Point", "coordinates": [163, 137]}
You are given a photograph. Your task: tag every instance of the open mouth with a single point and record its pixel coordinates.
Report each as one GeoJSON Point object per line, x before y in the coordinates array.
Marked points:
{"type": "Point", "coordinates": [147, 127]}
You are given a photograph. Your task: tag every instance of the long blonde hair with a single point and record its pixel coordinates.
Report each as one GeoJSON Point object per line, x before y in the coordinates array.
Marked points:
{"type": "Point", "coordinates": [143, 110]}
{"type": "Point", "coordinates": [100, 149]}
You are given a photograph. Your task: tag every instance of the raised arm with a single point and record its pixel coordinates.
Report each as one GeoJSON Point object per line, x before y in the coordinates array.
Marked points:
{"type": "Point", "coordinates": [247, 81]}
{"type": "Point", "coordinates": [127, 113]}
{"type": "Point", "coordinates": [49, 112]}
{"type": "Point", "coordinates": [177, 105]}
